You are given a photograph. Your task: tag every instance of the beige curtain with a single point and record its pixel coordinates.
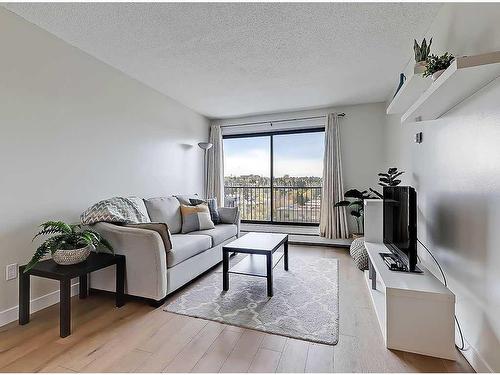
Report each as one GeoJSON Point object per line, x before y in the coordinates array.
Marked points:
{"type": "Point", "coordinates": [215, 165]}
{"type": "Point", "coordinates": [333, 220]}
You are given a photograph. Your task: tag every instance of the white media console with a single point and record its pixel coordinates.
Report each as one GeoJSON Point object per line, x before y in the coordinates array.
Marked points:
{"type": "Point", "coordinates": [415, 311]}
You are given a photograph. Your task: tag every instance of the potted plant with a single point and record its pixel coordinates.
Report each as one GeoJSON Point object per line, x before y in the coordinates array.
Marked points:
{"type": "Point", "coordinates": [388, 179]}
{"type": "Point", "coordinates": [436, 65]}
{"type": "Point", "coordinates": [69, 243]}
{"type": "Point", "coordinates": [355, 200]}
{"type": "Point", "coordinates": [421, 53]}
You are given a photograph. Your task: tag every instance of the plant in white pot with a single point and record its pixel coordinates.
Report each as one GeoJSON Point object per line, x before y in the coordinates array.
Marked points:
{"type": "Point", "coordinates": [436, 65]}
{"type": "Point", "coordinates": [422, 51]}
{"type": "Point", "coordinates": [70, 244]}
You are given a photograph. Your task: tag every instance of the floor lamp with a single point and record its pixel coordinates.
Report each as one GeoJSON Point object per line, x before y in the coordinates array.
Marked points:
{"type": "Point", "coordinates": [205, 146]}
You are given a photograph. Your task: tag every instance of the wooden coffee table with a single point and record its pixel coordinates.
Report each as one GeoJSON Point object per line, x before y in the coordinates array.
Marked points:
{"type": "Point", "coordinates": [262, 259]}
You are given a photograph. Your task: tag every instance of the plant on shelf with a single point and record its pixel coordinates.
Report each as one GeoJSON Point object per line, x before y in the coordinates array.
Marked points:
{"type": "Point", "coordinates": [422, 51]}
{"type": "Point", "coordinates": [388, 179]}
{"type": "Point", "coordinates": [355, 199]}
{"type": "Point", "coordinates": [436, 65]}
{"type": "Point", "coordinates": [67, 239]}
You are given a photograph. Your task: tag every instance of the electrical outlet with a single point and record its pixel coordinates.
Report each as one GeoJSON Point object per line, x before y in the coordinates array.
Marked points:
{"type": "Point", "coordinates": [11, 271]}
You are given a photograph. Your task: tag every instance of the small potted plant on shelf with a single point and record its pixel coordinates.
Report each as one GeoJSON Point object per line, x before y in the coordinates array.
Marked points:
{"type": "Point", "coordinates": [69, 244]}
{"type": "Point", "coordinates": [421, 53]}
{"type": "Point", "coordinates": [436, 65]}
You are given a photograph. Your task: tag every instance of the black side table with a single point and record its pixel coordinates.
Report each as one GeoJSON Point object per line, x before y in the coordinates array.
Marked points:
{"type": "Point", "coordinates": [49, 269]}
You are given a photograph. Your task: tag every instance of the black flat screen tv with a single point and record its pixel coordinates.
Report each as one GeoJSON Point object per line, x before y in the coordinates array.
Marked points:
{"type": "Point", "coordinates": [400, 224]}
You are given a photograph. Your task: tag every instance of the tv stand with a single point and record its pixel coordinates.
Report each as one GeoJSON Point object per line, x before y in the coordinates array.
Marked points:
{"type": "Point", "coordinates": [415, 311]}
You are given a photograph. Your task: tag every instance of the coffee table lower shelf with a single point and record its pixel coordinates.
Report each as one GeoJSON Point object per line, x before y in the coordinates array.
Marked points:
{"type": "Point", "coordinates": [255, 265]}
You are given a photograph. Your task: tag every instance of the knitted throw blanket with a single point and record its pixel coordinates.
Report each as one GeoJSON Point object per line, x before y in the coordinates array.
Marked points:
{"type": "Point", "coordinates": [113, 210]}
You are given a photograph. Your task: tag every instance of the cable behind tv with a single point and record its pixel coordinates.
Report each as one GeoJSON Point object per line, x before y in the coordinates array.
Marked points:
{"type": "Point", "coordinates": [462, 346]}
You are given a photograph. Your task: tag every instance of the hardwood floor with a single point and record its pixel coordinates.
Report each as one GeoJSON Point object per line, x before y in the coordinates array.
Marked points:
{"type": "Point", "coordinates": [139, 338]}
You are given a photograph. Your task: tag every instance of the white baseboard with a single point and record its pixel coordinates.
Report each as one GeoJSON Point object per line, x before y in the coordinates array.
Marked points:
{"type": "Point", "coordinates": [476, 361]}
{"type": "Point", "coordinates": [39, 303]}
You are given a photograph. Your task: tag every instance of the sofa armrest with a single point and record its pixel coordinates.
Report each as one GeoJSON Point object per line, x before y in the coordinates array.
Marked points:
{"type": "Point", "coordinates": [230, 215]}
{"type": "Point", "coordinates": [146, 263]}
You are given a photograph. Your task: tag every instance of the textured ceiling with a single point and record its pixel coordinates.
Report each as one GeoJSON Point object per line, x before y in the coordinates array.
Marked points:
{"type": "Point", "coordinates": [234, 59]}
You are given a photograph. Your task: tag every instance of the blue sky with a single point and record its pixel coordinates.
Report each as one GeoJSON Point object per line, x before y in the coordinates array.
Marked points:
{"type": "Point", "coordinates": [295, 154]}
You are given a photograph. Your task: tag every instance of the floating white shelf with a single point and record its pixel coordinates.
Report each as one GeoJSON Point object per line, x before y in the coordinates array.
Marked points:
{"type": "Point", "coordinates": [411, 90]}
{"type": "Point", "coordinates": [465, 76]}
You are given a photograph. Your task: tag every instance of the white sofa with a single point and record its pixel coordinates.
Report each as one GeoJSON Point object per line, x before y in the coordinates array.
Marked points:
{"type": "Point", "coordinates": [155, 269]}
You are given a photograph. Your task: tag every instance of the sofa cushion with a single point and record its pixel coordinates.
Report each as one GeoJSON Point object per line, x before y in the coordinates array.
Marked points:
{"type": "Point", "coordinates": [184, 198]}
{"type": "Point", "coordinates": [185, 246]}
{"type": "Point", "coordinates": [229, 215]}
{"type": "Point", "coordinates": [165, 210]}
{"type": "Point", "coordinates": [220, 233]}
{"type": "Point", "coordinates": [196, 218]}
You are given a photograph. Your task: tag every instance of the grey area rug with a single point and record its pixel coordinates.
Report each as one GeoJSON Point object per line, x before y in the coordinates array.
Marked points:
{"type": "Point", "coordinates": [304, 305]}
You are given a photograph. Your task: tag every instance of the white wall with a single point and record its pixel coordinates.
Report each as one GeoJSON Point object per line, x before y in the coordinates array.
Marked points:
{"type": "Point", "coordinates": [362, 135]}
{"type": "Point", "coordinates": [456, 171]}
{"type": "Point", "coordinates": [74, 131]}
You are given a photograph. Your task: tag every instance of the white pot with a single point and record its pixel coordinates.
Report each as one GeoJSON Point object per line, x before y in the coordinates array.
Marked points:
{"type": "Point", "coordinates": [419, 67]}
{"type": "Point", "coordinates": [67, 257]}
{"type": "Point", "coordinates": [437, 74]}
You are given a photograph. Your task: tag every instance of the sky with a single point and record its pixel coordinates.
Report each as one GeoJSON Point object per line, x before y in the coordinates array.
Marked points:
{"type": "Point", "coordinates": [298, 155]}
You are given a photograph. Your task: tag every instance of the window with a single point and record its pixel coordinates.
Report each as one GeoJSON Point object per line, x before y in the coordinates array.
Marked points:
{"type": "Point", "coordinates": [247, 176]}
{"type": "Point", "coordinates": [275, 177]}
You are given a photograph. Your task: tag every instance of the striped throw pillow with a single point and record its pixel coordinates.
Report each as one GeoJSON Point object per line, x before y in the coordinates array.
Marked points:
{"type": "Point", "coordinates": [196, 218]}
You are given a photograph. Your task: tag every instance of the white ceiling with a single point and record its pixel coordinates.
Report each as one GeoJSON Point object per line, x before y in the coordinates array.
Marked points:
{"type": "Point", "coordinates": [233, 59]}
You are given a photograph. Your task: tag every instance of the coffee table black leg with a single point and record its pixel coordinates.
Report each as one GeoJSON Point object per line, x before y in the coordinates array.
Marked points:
{"type": "Point", "coordinates": [83, 286]}
{"type": "Point", "coordinates": [285, 245]}
{"type": "Point", "coordinates": [269, 266]}
{"type": "Point", "coordinates": [24, 297]}
{"type": "Point", "coordinates": [65, 307]}
{"type": "Point", "coordinates": [225, 270]}
{"type": "Point", "coordinates": [120, 282]}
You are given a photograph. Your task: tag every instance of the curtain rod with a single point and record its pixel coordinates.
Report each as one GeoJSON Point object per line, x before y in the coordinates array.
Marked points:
{"type": "Point", "coordinates": [276, 121]}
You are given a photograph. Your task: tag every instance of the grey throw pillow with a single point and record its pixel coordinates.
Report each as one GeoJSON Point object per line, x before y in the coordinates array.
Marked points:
{"type": "Point", "coordinates": [184, 199]}
{"type": "Point", "coordinates": [212, 207]}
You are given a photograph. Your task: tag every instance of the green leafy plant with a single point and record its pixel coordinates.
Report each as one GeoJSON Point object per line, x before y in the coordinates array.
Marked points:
{"type": "Point", "coordinates": [436, 63]}
{"type": "Point", "coordinates": [355, 200]}
{"type": "Point", "coordinates": [388, 179]}
{"type": "Point", "coordinates": [65, 237]}
{"type": "Point", "coordinates": [422, 51]}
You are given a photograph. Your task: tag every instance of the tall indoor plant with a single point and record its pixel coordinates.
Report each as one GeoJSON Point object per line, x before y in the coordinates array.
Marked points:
{"type": "Point", "coordinates": [354, 199]}
{"type": "Point", "coordinates": [68, 244]}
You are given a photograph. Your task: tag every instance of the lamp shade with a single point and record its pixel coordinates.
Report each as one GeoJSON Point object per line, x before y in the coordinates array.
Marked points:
{"type": "Point", "coordinates": [205, 145]}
